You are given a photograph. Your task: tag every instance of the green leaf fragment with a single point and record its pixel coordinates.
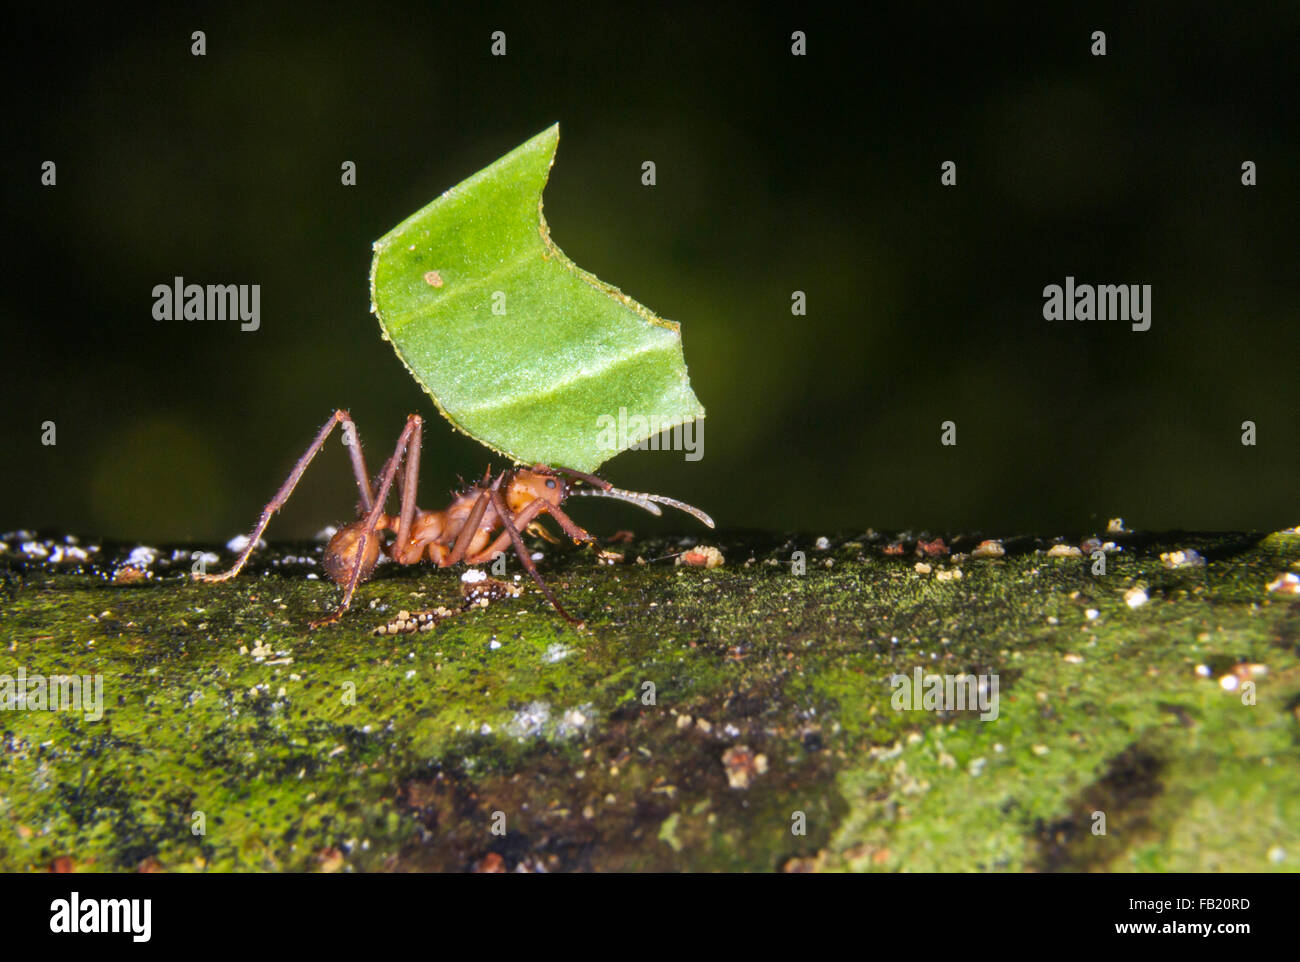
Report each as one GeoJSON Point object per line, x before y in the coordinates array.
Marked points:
{"type": "Point", "coordinates": [519, 347]}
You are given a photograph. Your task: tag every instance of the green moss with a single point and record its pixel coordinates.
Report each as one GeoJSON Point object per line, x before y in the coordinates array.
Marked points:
{"type": "Point", "coordinates": [304, 750]}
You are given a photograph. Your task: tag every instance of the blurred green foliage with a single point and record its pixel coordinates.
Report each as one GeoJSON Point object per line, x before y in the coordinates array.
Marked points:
{"type": "Point", "coordinates": [775, 174]}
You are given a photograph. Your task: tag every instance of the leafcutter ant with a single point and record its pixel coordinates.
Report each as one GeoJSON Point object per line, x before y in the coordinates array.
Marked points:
{"type": "Point", "coordinates": [513, 501]}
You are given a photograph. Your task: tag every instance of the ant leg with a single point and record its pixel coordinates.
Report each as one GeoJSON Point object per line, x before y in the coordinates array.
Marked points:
{"type": "Point", "coordinates": [358, 468]}
{"type": "Point", "coordinates": [410, 484]}
{"type": "Point", "coordinates": [522, 521]}
{"type": "Point", "coordinates": [413, 428]}
{"type": "Point", "coordinates": [352, 441]}
{"type": "Point", "coordinates": [539, 530]}
{"type": "Point", "coordinates": [579, 535]}
{"type": "Point", "coordinates": [470, 526]}
{"type": "Point", "coordinates": [499, 503]}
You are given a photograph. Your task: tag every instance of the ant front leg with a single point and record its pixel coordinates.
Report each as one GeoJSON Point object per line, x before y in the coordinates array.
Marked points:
{"type": "Point", "coordinates": [521, 550]}
{"type": "Point", "coordinates": [522, 522]}
{"type": "Point", "coordinates": [408, 447]}
{"type": "Point", "coordinates": [578, 534]}
{"type": "Point", "coordinates": [353, 442]}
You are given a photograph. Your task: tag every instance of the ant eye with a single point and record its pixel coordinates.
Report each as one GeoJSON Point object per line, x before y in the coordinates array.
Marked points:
{"type": "Point", "coordinates": [550, 482]}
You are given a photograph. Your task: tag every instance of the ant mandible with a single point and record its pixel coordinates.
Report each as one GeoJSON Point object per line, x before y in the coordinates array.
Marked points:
{"type": "Point", "coordinates": [463, 531]}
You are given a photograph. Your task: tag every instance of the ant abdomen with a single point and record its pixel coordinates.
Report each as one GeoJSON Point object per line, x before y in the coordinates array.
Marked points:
{"type": "Point", "coordinates": [341, 553]}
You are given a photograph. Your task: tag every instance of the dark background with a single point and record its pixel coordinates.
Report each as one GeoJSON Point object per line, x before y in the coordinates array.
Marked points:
{"type": "Point", "coordinates": [775, 173]}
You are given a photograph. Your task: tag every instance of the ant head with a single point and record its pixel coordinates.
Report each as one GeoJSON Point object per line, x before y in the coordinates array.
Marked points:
{"type": "Point", "coordinates": [528, 485]}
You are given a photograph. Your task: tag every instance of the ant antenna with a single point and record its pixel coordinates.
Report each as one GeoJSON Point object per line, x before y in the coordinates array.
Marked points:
{"type": "Point", "coordinates": [581, 476]}
{"type": "Point", "coordinates": [647, 502]}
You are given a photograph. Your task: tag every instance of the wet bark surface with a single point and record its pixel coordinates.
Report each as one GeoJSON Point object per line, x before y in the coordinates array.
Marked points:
{"type": "Point", "coordinates": [744, 716]}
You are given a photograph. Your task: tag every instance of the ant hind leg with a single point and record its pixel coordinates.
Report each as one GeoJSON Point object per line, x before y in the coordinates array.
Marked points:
{"type": "Point", "coordinates": [408, 447]}
{"type": "Point", "coordinates": [353, 443]}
